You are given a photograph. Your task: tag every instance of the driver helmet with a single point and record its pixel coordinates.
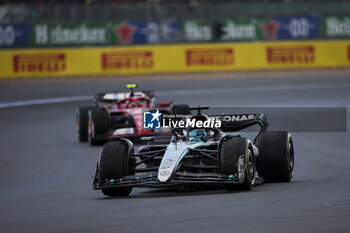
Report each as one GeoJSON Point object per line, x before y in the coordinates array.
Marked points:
{"type": "Point", "coordinates": [198, 135]}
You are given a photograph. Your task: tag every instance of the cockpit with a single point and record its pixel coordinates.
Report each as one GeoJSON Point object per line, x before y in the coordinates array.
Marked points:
{"type": "Point", "coordinates": [195, 134]}
{"type": "Point", "coordinates": [134, 102]}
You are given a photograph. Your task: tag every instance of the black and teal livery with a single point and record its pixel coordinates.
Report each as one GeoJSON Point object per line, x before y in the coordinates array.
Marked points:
{"type": "Point", "coordinates": [194, 156]}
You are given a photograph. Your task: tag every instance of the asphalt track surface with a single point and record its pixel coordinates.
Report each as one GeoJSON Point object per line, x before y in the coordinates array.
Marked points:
{"type": "Point", "coordinates": [46, 173]}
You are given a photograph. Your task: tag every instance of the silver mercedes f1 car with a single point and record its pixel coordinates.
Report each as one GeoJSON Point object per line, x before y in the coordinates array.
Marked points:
{"type": "Point", "coordinates": [198, 156]}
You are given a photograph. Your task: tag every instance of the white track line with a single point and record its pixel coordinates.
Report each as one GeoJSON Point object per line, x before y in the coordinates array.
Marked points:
{"type": "Point", "coordinates": [45, 101]}
{"type": "Point", "coordinates": [185, 92]}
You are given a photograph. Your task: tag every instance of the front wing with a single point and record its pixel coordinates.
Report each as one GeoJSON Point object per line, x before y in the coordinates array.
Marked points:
{"type": "Point", "coordinates": [180, 179]}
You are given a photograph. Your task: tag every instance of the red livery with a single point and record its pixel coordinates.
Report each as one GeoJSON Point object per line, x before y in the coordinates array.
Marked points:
{"type": "Point", "coordinates": [120, 114]}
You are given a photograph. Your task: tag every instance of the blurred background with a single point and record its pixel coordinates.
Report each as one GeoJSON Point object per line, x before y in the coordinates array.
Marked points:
{"type": "Point", "coordinates": [43, 23]}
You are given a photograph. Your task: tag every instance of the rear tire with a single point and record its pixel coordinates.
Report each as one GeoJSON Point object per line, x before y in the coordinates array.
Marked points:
{"type": "Point", "coordinates": [97, 125]}
{"type": "Point", "coordinates": [82, 119]}
{"type": "Point", "coordinates": [114, 164]}
{"type": "Point", "coordinates": [275, 162]}
{"type": "Point", "coordinates": [231, 150]}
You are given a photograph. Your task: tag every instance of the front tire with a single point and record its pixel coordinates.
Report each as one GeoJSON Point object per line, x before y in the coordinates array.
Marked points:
{"type": "Point", "coordinates": [275, 162]}
{"type": "Point", "coordinates": [236, 156]}
{"type": "Point", "coordinates": [97, 125]}
{"type": "Point", "coordinates": [82, 119]}
{"type": "Point", "coordinates": [114, 164]}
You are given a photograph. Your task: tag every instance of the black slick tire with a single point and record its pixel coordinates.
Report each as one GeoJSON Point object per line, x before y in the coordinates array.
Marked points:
{"type": "Point", "coordinates": [231, 150]}
{"type": "Point", "coordinates": [97, 125]}
{"type": "Point", "coordinates": [114, 164]}
{"type": "Point", "coordinates": [275, 161]}
{"type": "Point", "coordinates": [82, 119]}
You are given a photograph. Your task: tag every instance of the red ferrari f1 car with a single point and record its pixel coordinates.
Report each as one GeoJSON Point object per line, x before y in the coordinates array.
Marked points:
{"type": "Point", "coordinates": [117, 115]}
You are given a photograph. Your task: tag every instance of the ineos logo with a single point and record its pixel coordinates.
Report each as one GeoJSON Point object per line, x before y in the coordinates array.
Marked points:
{"type": "Point", "coordinates": [164, 173]}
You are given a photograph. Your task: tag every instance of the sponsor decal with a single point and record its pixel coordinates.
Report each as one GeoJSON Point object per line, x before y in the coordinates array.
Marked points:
{"type": "Point", "coordinates": [301, 54]}
{"type": "Point", "coordinates": [40, 34]}
{"type": "Point", "coordinates": [151, 119]}
{"type": "Point", "coordinates": [14, 35]}
{"type": "Point", "coordinates": [164, 173]}
{"type": "Point", "coordinates": [237, 117]}
{"type": "Point", "coordinates": [240, 32]}
{"type": "Point", "coordinates": [42, 62]}
{"type": "Point", "coordinates": [238, 29]}
{"type": "Point", "coordinates": [337, 26]}
{"type": "Point", "coordinates": [287, 28]}
{"type": "Point", "coordinates": [127, 60]}
{"type": "Point", "coordinates": [171, 30]}
{"type": "Point", "coordinates": [198, 30]}
{"type": "Point", "coordinates": [68, 34]}
{"type": "Point", "coordinates": [270, 29]}
{"type": "Point", "coordinates": [209, 57]}
{"type": "Point", "coordinates": [65, 34]}
{"type": "Point", "coordinates": [125, 32]}
{"type": "Point", "coordinates": [145, 32]}
{"type": "Point", "coordinates": [152, 33]}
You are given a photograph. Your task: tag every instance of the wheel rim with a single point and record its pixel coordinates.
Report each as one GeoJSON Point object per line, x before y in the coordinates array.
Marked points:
{"type": "Point", "coordinates": [250, 164]}
{"type": "Point", "coordinates": [291, 157]}
{"type": "Point", "coordinates": [91, 130]}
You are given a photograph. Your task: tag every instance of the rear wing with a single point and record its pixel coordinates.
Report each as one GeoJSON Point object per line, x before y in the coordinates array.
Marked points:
{"type": "Point", "coordinates": [236, 122]}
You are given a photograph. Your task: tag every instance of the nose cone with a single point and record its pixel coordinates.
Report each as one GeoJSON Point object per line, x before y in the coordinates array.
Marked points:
{"type": "Point", "coordinates": [164, 174]}
{"type": "Point", "coordinates": [170, 160]}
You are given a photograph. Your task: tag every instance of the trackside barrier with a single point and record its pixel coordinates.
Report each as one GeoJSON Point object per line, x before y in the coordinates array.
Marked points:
{"type": "Point", "coordinates": [173, 58]}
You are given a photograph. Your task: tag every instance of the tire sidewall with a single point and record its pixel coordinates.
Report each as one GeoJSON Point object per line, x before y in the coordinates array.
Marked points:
{"type": "Point", "coordinates": [229, 161]}
{"type": "Point", "coordinates": [111, 153]}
